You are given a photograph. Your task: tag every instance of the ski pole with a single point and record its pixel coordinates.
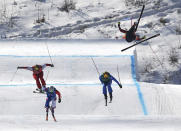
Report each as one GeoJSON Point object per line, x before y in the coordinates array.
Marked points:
{"type": "Point", "coordinates": [49, 53]}
{"type": "Point", "coordinates": [95, 66]}
{"type": "Point", "coordinates": [49, 57]}
{"type": "Point", "coordinates": [118, 74]}
{"type": "Point", "coordinates": [13, 75]}
{"type": "Point", "coordinates": [47, 75]}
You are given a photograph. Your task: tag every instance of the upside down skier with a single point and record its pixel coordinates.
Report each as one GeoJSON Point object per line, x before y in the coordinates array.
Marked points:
{"type": "Point", "coordinates": [130, 35]}
{"type": "Point", "coordinates": [106, 79]}
{"type": "Point", "coordinates": [38, 74]}
{"type": "Point", "coordinates": [51, 97]}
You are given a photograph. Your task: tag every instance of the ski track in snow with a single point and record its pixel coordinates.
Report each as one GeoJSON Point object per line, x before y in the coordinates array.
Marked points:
{"type": "Point", "coordinates": [82, 105]}
{"type": "Point", "coordinates": [125, 113]}
{"type": "Point", "coordinates": [89, 23]}
{"type": "Point", "coordinates": [162, 103]}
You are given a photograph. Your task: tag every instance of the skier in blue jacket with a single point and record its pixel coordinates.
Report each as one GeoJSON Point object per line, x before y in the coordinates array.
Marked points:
{"type": "Point", "coordinates": [106, 79]}
{"type": "Point", "coordinates": [51, 97]}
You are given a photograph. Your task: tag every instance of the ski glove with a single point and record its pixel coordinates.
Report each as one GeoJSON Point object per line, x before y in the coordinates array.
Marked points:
{"type": "Point", "coordinates": [120, 85]}
{"type": "Point", "coordinates": [59, 100]}
{"type": "Point", "coordinates": [52, 65]}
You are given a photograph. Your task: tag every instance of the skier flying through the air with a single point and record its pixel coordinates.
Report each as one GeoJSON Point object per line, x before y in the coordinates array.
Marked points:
{"type": "Point", "coordinates": [106, 79]}
{"type": "Point", "coordinates": [131, 35]}
{"type": "Point", "coordinates": [38, 74]}
{"type": "Point", "coordinates": [51, 97]}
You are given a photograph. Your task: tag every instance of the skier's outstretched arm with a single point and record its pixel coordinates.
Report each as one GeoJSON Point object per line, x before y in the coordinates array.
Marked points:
{"type": "Point", "coordinates": [45, 65]}
{"type": "Point", "coordinates": [59, 96]}
{"type": "Point", "coordinates": [121, 30]}
{"type": "Point", "coordinates": [114, 79]}
{"type": "Point", "coordinates": [26, 68]}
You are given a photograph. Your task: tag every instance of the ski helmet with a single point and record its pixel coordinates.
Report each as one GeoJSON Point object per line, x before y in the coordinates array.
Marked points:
{"type": "Point", "coordinates": [106, 74]}
{"type": "Point", "coordinates": [51, 89]}
{"type": "Point", "coordinates": [36, 67]}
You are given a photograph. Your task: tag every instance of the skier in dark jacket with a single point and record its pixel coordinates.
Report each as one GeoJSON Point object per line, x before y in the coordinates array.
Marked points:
{"type": "Point", "coordinates": [130, 35]}
{"type": "Point", "coordinates": [38, 74]}
{"type": "Point", "coordinates": [106, 79]}
{"type": "Point", "coordinates": [51, 97]}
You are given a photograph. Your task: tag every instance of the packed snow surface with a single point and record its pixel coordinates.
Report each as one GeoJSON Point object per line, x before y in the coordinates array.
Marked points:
{"type": "Point", "coordinates": [137, 106]}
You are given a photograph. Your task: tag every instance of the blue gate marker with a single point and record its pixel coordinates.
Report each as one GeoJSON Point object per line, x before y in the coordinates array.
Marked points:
{"type": "Point", "coordinates": [138, 86]}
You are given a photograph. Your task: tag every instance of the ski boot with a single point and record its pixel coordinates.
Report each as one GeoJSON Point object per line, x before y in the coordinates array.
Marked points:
{"type": "Point", "coordinates": [42, 90]}
{"type": "Point", "coordinates": [144, 37]}
{"type": "Point", "coordinates": [37, 89]}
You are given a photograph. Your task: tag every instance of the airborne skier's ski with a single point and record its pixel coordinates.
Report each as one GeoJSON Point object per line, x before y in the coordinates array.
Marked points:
{"type": "Point", "coordinates": [140, 42]}
{"type": "Point", "coordinates": [140, 17]}
{"type": "Point", "coordinates": [39, 92]}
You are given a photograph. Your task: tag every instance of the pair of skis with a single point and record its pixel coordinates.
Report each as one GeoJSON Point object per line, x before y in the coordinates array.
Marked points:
{"type": "Point", "coordinates": [38, 91]}
{"type": "Point", "coordinates": [136, 30]}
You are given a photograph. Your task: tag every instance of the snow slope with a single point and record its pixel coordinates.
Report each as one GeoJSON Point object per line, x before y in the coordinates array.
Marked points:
{"type": "Point", "coordinates": [97, 19]}
{"type": "Point", "coordinates": [137, 106]}
{"type": "Point", "coordinates": [91, 19]}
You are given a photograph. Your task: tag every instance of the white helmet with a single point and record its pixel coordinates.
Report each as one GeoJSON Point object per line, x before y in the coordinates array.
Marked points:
{"type": "Point", "coordinates": [51, 89]}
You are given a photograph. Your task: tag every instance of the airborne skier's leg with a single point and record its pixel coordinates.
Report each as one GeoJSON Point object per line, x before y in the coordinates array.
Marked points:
{"type": "Point", "coordinates": [42, 80]}
{"type": "Point", "coordinates": [36, 77]}
{"type": "Point", "coordinates": [130, 35]}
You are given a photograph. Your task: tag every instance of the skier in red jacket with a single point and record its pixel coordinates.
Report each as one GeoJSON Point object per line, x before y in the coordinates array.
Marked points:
{"type": "Point", "coordinates": [38, 74]}
{"type": "Point", "coordinates": [130, 35]}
